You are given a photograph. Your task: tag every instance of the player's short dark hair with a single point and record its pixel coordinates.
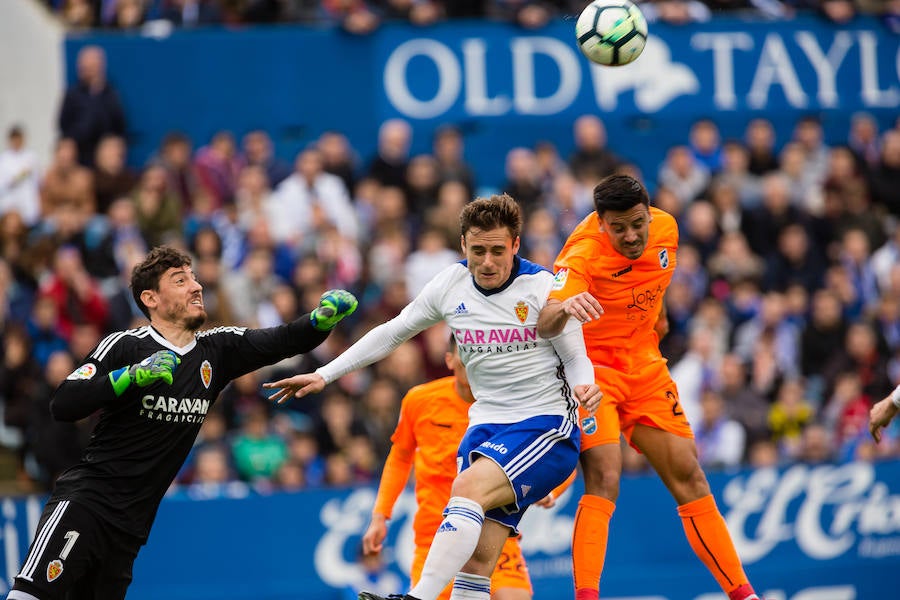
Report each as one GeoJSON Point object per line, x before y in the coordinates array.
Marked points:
{"type": "Point", "coordinates": [147, 274]}
{"type": "Point", "coordinates": [500, 210]}
{"type": "Point", "coordinates": [618, 193]}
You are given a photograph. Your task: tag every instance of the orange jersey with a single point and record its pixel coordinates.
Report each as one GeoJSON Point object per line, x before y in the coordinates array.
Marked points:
{"type": "Point", "coordinates": [630, 291]}
{"type": "Point", "coordinates": [433, 419]}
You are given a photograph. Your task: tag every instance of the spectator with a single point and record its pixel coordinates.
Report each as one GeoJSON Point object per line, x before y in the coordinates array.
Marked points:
{"type": "Point", "coordinates": [430, 257]}
{"type": "Point", "coordinates": [591, 160]}
{"type": "Point", "coordinates": [795, 261]}
{"type": "Point", "coordinates": [67, 183]}
{"type": "Point", "coordinates": [705, 143]}
{"type": "Point", "coordinates": [113, 179]}
{"type": "Point", "coordinates": [158, 212]}
{"type": "Point", "coordinates": [788, 417]}
{"type": "Point", "coordinates": [388, 166]}
{"type": "Point", "coordinates": [258, 151]}
{"type": "Point", "coordinates": [338, 158]}
{"type": "Point", "coordinates": [760, 139]}
{"type": "Point", "coordinates": [175, 159]}
{"type": "Point", "coordinates": [91, 107]}
{"type": "Point", "coordinates": [521, 179]}
{"type": "Point", "coordinates": [19, 178]}
{"type": "Point", "coordinates": [885, 178]}
{"type": "Point", "coordinates": [217, 166]}
{"type": "Point", "coordinates": [74, 293]}
{"type": "Point", "coordinates": [191, 13]}
{"type": "Point", "coordinates": [682, 174]}
{"type": "Point", "coordinates": [448, 147]}
{"type": "Point", "coordinates": [257, 452]}
{"type": "Point", "coordinates": [743, 403]}
{"type": "Point", "coordinates": [720, 439]}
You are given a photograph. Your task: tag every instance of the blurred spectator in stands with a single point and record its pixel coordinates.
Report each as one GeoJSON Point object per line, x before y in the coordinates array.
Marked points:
{"type": "Point", "coordinates": [763, 224]}
{"type": "Point", "coordinates": [696, 372]}
{"type": "Point", "coordinates": [769, 326]}
{"type": "Point", "coordinates": [809, 133]}
{"type": "Point", "coordinates": [795, 261]}
{"type": "Point", "coordinates": [422, 181]}
{"type": "Point", "coordinates": [78, 14]}
{"type": "Point", "coordinates": [253, 198]}
{"type": "Point", "coordinates": [705, 143]}
{"type": "Point", "coordinates": [124, 14]}
{"type": "Point", "coordinates": [76, 295]}
{"type": "Point", "coordinates": [430, 256]}
{"type": "Point", "coordinates": [365, 464]}
{"type": "Point", "coordinates": [259, 152]}
{"type": "Point", "coordinates": [19, 377]}
{"type": "Point", "coordinates": [388, 166]}
{"type": "Point", "coordinates": [569, 201]}
{"type": "Point", "coordinates": [682, 174]}
{"type": "Point", "coordinates": [863, 353]}
{"type": "Point", "coordinates": [735, 173]}
{"type": "Point", "coordinates": [448, 147]}
{"type": "Point", "coordinates": [721, 440]}
{"type": "Point", "coordinates": [804, 189]}
{"type": "Point", "coordinates": [452, 196]}
{"type": "Point", "coordinates": [863, 140]}
{"type": "Point", "coordinates": [816, 445]}
{"type": "Point", "coordinates": [355, 16]}
{"type": "Point", "coordinates": [209, 272]}
{"type": "Point", "coordinates": [846, 414]}
{"type": "Point", "coordinates": [521, 179]}
{"type": "Point", "coordinates": [338, 158]}
{"type": "Point", "coordinates": [17, 284]}
{"type": "Point", "coordinates": [884, 259]}
{"type": "Point", "coordinates": [19, 178]}
{"type": "Point", "coordinates": [389, 249]}
{"type": "Point", "coordinates": [256, 450]}
{"type": "Point", "coordinates": [52, 446]}
{"type": "Point", "coordinates": [67, 182]}
{"type": "Point", "coordinates": [788, 416]}
{"type": "Point", "coordinates": [337, 423]}
{"type": "Point", "coordinates": [838, 11]}
{"type": "Point", "coordinates": [742, 402]}
{"type": "Point", "coordinates": [763, 454]}
{"type": "Point", "coordinates": [340, 257]}
{"type": "Point", "coordinates": [675, 12]}
{"type": "Point", "coordinates": [217, 166]}
{"type": "Point", "coordinates": [541, 239]}
{"type": "Point", "coordinates": [290, 477]}
{"type": "Point", "coordinates": [855, 258]}
{"type": "Point", "coordinates": [190, 13]}
{"type": "Point", "coordinates": [529, 14]}
{"type": "Point", "coordinates": [733, 261]}
{"type": "Point", "coordinates": [159, 215]}
{"type": "Point", "coordinates": [380, 410]}
{"type": "Point", "coordinates": [700, 229]}
{"type": "Point", "coordinates": [887, 320]}
{"type": "Point", "coordinates": [309, 200]}
{"type": "Point", "coordinates": [821, 339]}
{"type": "Point", "coordinates": [550, 166]}
{"type": "Point", "coordinates": [885, 177]}
{"type": "Point", "coordinates": [113, 179]}
{"type": "Point", "coordinates": [303, 449]}
{"type": "Point", "coordinates": [760, 139]}
{"type": "Point", "coordinates": [175, 159]}
{"type": "Point", "coordinates": [591, 160]}
{"type": "Point", "coordinates": [91, 107]}
{"type": "Point", "coordinates": [248, 287]}
{"type": "Point", "coordinates": [404, 366]}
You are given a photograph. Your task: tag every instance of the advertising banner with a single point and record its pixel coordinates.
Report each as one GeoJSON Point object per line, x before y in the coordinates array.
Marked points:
{"type": "Point", "coordinates": [804, 533]}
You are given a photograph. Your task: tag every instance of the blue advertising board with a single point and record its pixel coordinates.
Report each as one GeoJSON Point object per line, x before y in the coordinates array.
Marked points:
{"type": "Point", "coordinates": [804, 533]}
{"type": "Point", "coordinates": [502, 85]}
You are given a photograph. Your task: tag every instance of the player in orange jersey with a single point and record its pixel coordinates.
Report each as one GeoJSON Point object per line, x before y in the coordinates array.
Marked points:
{"type": "Point", "coordinates": [612, 275]}
{"type": "Point", "coordinates": [433, 419]}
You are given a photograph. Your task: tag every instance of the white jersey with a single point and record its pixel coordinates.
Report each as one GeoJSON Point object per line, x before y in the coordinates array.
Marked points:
{"type": "Point", "coordinates": [513, 373]}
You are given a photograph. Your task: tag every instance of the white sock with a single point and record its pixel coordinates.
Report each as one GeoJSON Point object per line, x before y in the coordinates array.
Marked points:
{"type": "Point", "coordinates": [452, 546]}
{"type": "Point", "coordinates": [471, 587]}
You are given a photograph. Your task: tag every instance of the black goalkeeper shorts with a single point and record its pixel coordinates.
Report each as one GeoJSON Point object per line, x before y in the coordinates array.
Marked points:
{"type": "Point", "coordinates": [75, 556]}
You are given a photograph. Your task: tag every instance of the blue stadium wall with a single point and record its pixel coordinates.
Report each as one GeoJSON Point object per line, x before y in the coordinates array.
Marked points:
{"type": "Point", "coordinates": [804, 533]}
{"type": "Point", "coordinates": [504, 86]}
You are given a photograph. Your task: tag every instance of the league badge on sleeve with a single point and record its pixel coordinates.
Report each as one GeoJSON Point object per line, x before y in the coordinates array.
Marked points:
{"type": "Point", "coordinates": [85, 371]}
{"type": "Point", "coordinates": [559, 280]}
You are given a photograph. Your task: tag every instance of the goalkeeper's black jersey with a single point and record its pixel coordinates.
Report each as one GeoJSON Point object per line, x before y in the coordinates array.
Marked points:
{"type": "Point", "coordinates": [143, 437]}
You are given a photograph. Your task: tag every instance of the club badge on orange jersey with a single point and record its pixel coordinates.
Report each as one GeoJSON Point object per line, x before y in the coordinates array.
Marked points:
{"type": "Point", "coordinates": [54, 569]}
{"type": "Point", "coordinates": [206, 373]}
{"type": "Point", "coordinates": [521, 311]}
{"type": "Point", "coordinates": [664, 258]}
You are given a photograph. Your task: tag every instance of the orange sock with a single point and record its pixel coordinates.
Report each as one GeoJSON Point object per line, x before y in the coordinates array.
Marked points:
{"type": "Point", "coordinates": [708, 535]}
{"type": "Point", "coordinates": [589, 544]}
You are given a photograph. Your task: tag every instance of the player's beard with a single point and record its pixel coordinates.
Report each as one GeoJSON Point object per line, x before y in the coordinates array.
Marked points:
{"type": "Point", "coordinates": [196, 322]}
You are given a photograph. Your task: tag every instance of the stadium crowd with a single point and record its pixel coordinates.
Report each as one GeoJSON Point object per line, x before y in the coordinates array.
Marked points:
{"type": "Point", "coordinates": [784, 312]}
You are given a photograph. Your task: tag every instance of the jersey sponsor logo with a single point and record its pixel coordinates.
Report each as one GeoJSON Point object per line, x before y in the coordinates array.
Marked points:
{"type": "Point", "coordinates": [521, 311]}
{"type": "Point", "coordinates": [54, 570]}
{"type": "Point", "coordinates": [85, 371]}
{"type": "Point", "coordinates": [589, 425]}
{"type": "Point", "coordinates": [664, 258]}
{"type": "Point", "coordinates": [559, 280]}
{"type": "Point", "coordinates": [206, 373]}
{"type": "Point", "coordinates": [496, 336]}
{"type": "Point", "coordinates": [185, 410]}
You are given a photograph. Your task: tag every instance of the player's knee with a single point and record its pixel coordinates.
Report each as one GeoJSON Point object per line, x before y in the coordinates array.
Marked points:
{"type": "Point", "coordinates": [602, 480]}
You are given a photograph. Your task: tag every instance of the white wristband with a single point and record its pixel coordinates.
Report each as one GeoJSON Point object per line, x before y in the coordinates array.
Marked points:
{"type": "Point", "coordinates": [895, 396]}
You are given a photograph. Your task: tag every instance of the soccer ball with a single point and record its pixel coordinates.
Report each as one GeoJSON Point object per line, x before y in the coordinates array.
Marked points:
{"type": "Point", "coordinates": [611, 32]}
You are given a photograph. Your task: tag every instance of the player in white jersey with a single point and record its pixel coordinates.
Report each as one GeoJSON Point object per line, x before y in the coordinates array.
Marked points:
{"type": "Point", "coordinates": [523, 417]}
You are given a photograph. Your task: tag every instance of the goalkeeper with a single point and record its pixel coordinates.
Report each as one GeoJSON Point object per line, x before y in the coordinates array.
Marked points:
{"type": "Point", "coordinates": [152, 387]}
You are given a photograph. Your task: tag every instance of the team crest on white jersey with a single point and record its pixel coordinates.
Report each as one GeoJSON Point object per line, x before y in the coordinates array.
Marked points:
{"type": "Point", "coordinates": [521, 311]}
{"type": "Point", "coordinates": [559, 280]}
{"type": "Point", "coordinates": [206, 373]}
{"type": "Point", "coordinates": [664, 258]}
{"type": "Point", "coordinates": [54, 569]}
{"type": "Point", "coordinates": [85, 371]}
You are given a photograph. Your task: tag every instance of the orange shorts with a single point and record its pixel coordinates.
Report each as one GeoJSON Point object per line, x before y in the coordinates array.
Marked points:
{"type": "Point", "coordinates": [510, 572]}
{"type": "Point", "coordinates": [647, 396]}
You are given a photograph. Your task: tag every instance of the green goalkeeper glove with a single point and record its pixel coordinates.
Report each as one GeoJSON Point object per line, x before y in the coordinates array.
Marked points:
{"type": "Point", "coordinates": [159, 365]}
{"type": "Point", "coordinates": [334, 305]}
